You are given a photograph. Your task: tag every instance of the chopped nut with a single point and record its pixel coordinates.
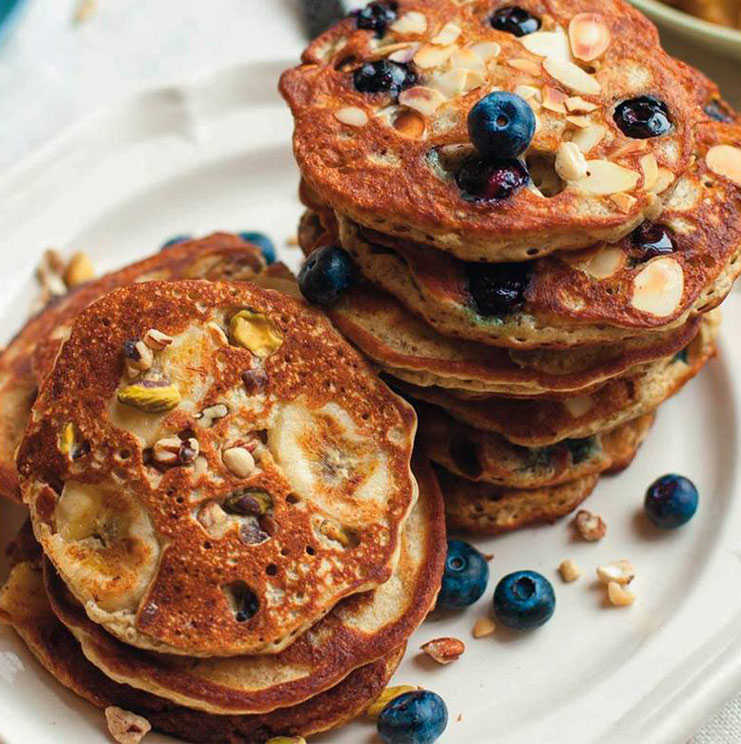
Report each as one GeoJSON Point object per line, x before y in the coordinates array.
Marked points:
{"type": "Point", "coordinates": [154, 395]}
{"type": "Point", "coordinates": [213, 519]}
{"type": "Point", "coordinates": [139, 358]}
{"type": "Point", "coordinates": [175, 451]}
{"type": "Point", "coordinates": [664, 180]}
{"type": "Point", "coordinates": [605, 262]}
{"type": "Point", "coordinates": [389, 694]}
{"type": "Point", "coordinates": [468, 61]}
{"type": "Point", "coordinates": [212, 413]}
{"type": "Point", "coordinates": [433, 56]}
{"type": "Point", "coordinates": [333, 531]}
{"type": "Point", "coordinates": [569, 571]}
{"type": "Point", "coordinates": [589, 36]}
{"type": "Point", "coordinates": [570, 163]}
{"type": "Point", "coordinates": [447, 34]}
{"type": "Point", "coordinates": [157, 340]}
{"type": "Point", "coordinates": [405, 52]}
{"type": "Point", "coordinates": [588, 138]}
{"type": "Point", "coordinates": [624, 202]}
{"type": "Point", "coordinates": [66, 442]}
{"type": "Point", "coordinates": [725, 160]}
{"type": "Point", "coordinates": [650, 170]}
{"type": "Point", "coordinates": [486, 50]}
{"type": "Point", "coordinates": [217, 333]}
{"type": "Point", "coordinates": [484, 626]}
{"type": "Point", "coordinates": [572, 76]}
{"type": "Point", "coordinates": [256, 332]}
{"type": "Point", "coordinates": [525, 65]}
{"type": "Point", "coordinates": [444, 650]}
{"type": "Point", "coordinates": [553, 99]}
{"type": "Point", "coordinates": [590, 526]}
{"type": "Point", "coordinates": [659, 287]}
{"type": "Point", "coordinates": [619, 595]}
{"type": "Point", "coordinates": [238, 461]}
{"type": "Point", "coordinates": [79, 270]}
{"type": "Point", "coordinates": [620, 571]}
{"type": "Point", "coordinates": [126, 727]}
{"type": "Point", "coordinates": [582, 122]}
{"type": "Point", "coordinates": [352, 116]}
{"type": "Point", "coordinates": [410, 23]}
{"type": "Point", "coordinates": [49, 273]}
{"type": "Point", "coordinates": [577, 105]}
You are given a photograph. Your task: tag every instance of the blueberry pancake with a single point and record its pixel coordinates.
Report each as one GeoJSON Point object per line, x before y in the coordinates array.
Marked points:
{"type": "Point", "coordinates": [541, 422]}
{"type": "Point", "coordinates": [29, 356]}
{"type": "Point", "coordinates": [488, 457]}
{"type": "Point", "coordinates": [211, 468]}
{"type": "Point", "coordinates": [359, 630]}
{"type": "Point", "coordinates": [24, 606]}
{"type": "Point", "coordinates": [486, 509]}
{"type": "Point", "coordinates": [386, 130]}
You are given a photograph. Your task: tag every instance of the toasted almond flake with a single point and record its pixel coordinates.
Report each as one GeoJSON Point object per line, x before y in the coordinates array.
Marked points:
{"type": "Point", "coordinates": [529, 93]}
{"type": "Point", "coordinates": [664, 180]}
{"type": "Point", "coordinates": [410, 23]}
{"type": "Point", "coordinates": [620, 571]}
{"type": "Point", "coordinates": [444, 650]}
{"type": "Point", "coordinates": [570, 163]}
{"type": "Point", "coordinates": [578, 405]}
{"type": "Point", "coordinates": [422, 99]}
{"type": "Point", "coordinates": [526, 65]}
{"type": "Point", "coordinates": [352, 116]}
{"type": "Point", "coordinates": [624, 202]}
{"type": "Point", "coordinates": [156, 340]}
{"type": "Point", "coordinates": [467, 60]}
{"type": "Point", "coordinates": [628, 148]}
{"type": "Point", "coordinates": [619, 596]}
{"type": "Point", "coordinates": [486, 50]}
{"type": "Point", "coordinates": [658, 288]}
{"type": "Point", "coordinates": [725, 160]}
{"type": "Point", "coordinates": [433, 56]}
{"type": "Point", "coordinates": [650, 170]}
{"type": "Point", "coordinates": [588, 138]}
{"type": "Point", "coordinates": [589, 36]}
{"type": "Point", "coordinates": [578, 105]}
{"type": "Point", "coordinates": [410, 124]}
{"type": "Point", "coordinates": [569, 571]}
{"type": "Point", "coordinates": [126, 727]}
{"type": "Point", "coordinates": [554, 99]}
{"type": "Point", "coordinates": [547, 43]}
{"type": "Point", "coordinates": [604, 177]}
{"type": "Point", "coordinates": [605, 262]}
{"type": "Point", "coordinates": [404, 52]}
{"type": "Point", "coordinates": [447, 34]}
{"type": "Point", "coordinates": [217, 333]}
{"type": "Point", "coordinates": [572, 76]}
{"type": "Point", "coordinates": [579, 121]}
{"type": "Point", "coordinates": [483, 627]}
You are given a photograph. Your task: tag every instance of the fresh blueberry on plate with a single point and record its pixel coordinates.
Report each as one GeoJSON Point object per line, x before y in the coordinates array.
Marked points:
{"type": "Point", "coordinates": [491, 180]}
{"type": "Point", "coordinates": [263, 242]}
{"type": "Point", "coordinates": [383, 76]}
{"type": "Point", "coordinates": [671, 501]}
{"type": "Point", "coordinates": [498, 289]}
{"type": "Point", "coordinates": [325, 275]}
{"type": "Point", "coordinates": [524, 600]}
{"type": "Point", "coordinates": [465, 577]}
{"type": "Point", "coordinates": [643, 117]}
{"type": "Point", "coordinates": [515, 21]}
{"type": "Point", "coordinates": [418, 717]}
{"type": "Point", "coordinates": [175, 240]}
{"type": "Point", "coordinates": [376, 17]}
{"type": "Point", "coordinates": [501, 125]}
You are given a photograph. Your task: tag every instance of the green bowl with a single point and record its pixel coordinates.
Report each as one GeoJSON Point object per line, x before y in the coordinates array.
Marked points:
{"type": "Point", "coordinates": [718, 39]}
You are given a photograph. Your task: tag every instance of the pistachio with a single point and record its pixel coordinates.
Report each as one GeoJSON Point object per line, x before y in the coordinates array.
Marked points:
{"type": "Point", "coordinates": [389, 694]}
{"type": "Point", "coordinates": [251, 532]}
{"type": "Point", "coordinates": [352, 116]}
{"type": "Point", "coordinates": [238, 461]}
{"type": "Point", "coordinates": [444, 650]}
{"type": "Point", "coordinates": [126, 727]}
{"type": "Point", "coordinates": [153, 395]}
{"type": "Point", "coordinates": [590, 526]}
{"type": "Point", "coordinates": [248, 502]}
{"type": "Point", "coordinates": [156, 340]}
{"type": "Point", "coordinates": [79, 270]}
{"type": "Point", "coordinates": [483, 627]}
{"type": "Point", "coordinates": [256, 332]}
{"type": "Point", "coordinates": [176, 451]}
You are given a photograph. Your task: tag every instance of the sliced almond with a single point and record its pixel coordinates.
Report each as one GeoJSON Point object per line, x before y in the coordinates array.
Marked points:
{"type": "Point", "coordinates": [467, 60]}
{"type": "Point", "coordinates": [604, 177]}
{"type": "Point", "coordinates": [725, 160]}
{"type": "Point", "coordinates": [664, 180]}
{"type": "Point", "coordinates": [410, 124]}
{"type": "Point", "coordinates": [526, 65]}
{"type": "Point", "coordinates": [570, 163]}
{"type": "Point", "coordinates": [658, 288]}
{"type": "Point", "coordinates": [554, 99]}
{"type": "Point", "coordinates": [605, 262]}
{"type": "Point", "coordinates": [578, 405]}
{"type": "Point", "coordinates": [433, 56]}
{"type": "Point", "coordinates": [422, 99]}
{"type": "Point", "coordinates": [447, 34]}
{"type": "Point", "coordinates": [650, 170]}
{"type": "Point", "coordinates": [410, 23]}
{"type": "Point", "coordinates": [547, 43]}
{"type": "Point", "coordinates": [486, 50]}
{"type": "Point", "coordinates": [589, 36]}
{"type": "Point", "coordinates": [352, 116]}
{"type": "Point", "coordinates": [624, 202]}
{"type": "Point", "coordinates": [572, 76]}
{"type": "Point", "coordinates": [405, 53]}
{"type": "Point", "coordinates": [588, 138]}
{"type": "Point", "coordinates": [578, 105]}
{"type": "Point", "coordinates": [529, 93]}
{"type": "Point", "coordinates": [582, 122]}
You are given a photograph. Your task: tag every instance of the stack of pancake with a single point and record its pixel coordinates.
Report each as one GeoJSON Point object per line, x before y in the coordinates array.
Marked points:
{"type": "Point", "coordinates": [536, 310]}
{"type": "Point", "coordinates": [228, 540]}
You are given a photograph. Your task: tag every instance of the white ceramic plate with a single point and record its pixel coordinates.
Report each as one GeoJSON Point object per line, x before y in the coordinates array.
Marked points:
{"type": "Point", "coordinates": [216, 155]}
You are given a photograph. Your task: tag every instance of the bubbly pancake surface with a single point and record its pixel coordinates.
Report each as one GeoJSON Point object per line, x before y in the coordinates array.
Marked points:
{"type": "Point", "coordinates": [226, 497]}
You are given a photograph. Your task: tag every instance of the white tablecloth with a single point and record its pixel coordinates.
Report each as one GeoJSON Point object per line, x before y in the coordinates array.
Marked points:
{"type": "Point", "coordinates": [53, 71]}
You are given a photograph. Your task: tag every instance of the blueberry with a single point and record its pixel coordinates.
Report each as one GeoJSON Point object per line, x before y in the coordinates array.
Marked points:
{"type": "Point", "coordinates": [494, 180]}
{"type": "Point", "coordinates": [682, 356]}
{"type": "Point", "coordinates": [176, 240]}
{"type": "Point", "coordinates": [325, 275]}
{"type": "Point", "coordinates": [418, 717]}
{"type": "Point", "coordinates": [263, 242]}
{"type": "Point", "coordinates": [649, 240]}
{"type": "Point", "coordinates": [524, 600]}
{"type": "Point", "coordinates": [580, 449]}
{"type": "Point", "coordinates": [376, 17]}
{"type": "Point", "coordinates": [718, 111]}
{"type": "Point", "coordinates": [465, 578]}
{"type": "Point", "coordinates": [501, 125]}
{"type": "Point", "coordinates": [671, 501]}
{"type": "Point", "coordinates": [384, 76]}
{"type": "Point", "coordinates": [515, 21]}
{"type": "Point", "coordinates": [643, 117]}
{"type": "Point", "coordinates": [498, 289]}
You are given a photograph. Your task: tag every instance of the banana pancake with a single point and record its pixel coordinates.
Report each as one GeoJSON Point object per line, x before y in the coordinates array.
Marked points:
{"type": "Point", "coordinates": [484, 456]}
{"type": "Point", "coordinates": [359, 630]}
{"type": "Point", "coordinates": [486, 509]}
{"type": "Point", "coordinates": [542, 422]}
{"type": "Point", "coordinates": [381, 123]}
{"type": "Point", "coordinates": [29, 356]}
{"type": "Point", "coordinates": [24, 605]}
{"type": "Point", "coordinates": [211, 467]}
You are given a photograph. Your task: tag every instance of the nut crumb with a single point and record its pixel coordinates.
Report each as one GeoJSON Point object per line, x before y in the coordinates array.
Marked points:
{"type": "Point", "coordinates": [460, 718]}
{"type": "Point", "coordinates": [444, 650]}
{"type": "Point", "coordinates": [488, 557]}
{"type": "Point", "coordinates": [569, 571]}
{"type": "Point", "coordinates": [79, 270]}
{"type": "Point", "coordinates": [484, 626]}
{"type": "Point", "coordinates": [621, 572]}
{"type": "Point", "coordinates": [620, 595]}
{"type": "Point", "coordinates": [126, 727]}
{"type": "Point", "coordinates": [590, 526]}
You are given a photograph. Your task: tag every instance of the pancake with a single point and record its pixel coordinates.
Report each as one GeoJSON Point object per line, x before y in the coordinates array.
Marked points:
{"type": "Point", "coordinates": [485, 509]}
{"type": "Point", "coordinates": [542, 422]}
{"type": "Point", "coordinates": [390, 162]}
{"type": "Point", "coordinates": [484, 456]}
{"type": "Point", "coordinates": [24, 605]}
{"type": "Point", "coordinates": [358, 631]}
{"type": "Point", "coordinates": [29, 356]}
{"type": "Point", "coordinates": [251, 473]}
